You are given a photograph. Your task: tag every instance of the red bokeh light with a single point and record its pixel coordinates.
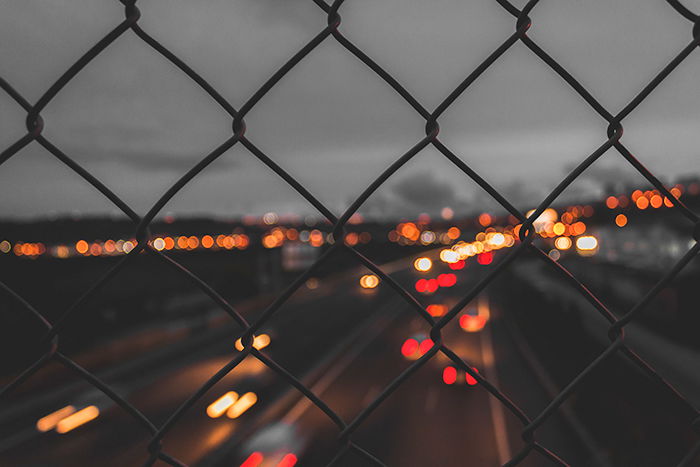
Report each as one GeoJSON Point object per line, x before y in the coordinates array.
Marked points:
{"type": "Point", "coordinates": [457, 266]}
{"type": "Point", "coordinates": [446, 280]}
{"type": "Point", "coordinates": [432, 286]}
{"type": "Point", "coordinates": [449, 375]}
{"type": "Point", "coordinates": [289, 460]}
{"type": "Point", "coordinates": [425, 345]}
{"type": "Point", "coordinates": [484, 258]}
{"type": "Point", "coordinates": [409, 347]}
{"type": "Point", "coordinates": [253, 460]}
{"type": "Point", "coordinates": [436, 309]}
{"type": "Point", "coordinates": [471, 381]}
{"type": "Point", "coordinates": [472, 323]}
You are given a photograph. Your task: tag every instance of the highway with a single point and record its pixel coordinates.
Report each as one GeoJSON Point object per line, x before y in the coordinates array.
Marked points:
{"type": "Point", "coordinates": [346, 343]}
{"type": "Point", "coordinates": [426, 421]}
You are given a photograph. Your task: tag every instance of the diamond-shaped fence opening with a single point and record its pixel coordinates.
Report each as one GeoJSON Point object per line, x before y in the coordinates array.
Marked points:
{"type": "Point", "coordinates": [248, 326]}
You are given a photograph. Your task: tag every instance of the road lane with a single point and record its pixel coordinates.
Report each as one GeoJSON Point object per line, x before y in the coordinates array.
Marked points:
{"type": "Point", "coordinates": [425, 422]}
{"type": "Point", "coordinates": [116, 439]}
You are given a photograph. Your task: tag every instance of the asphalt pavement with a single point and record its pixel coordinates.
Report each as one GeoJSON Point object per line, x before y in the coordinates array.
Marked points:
{"type": "Point", "coordinates": [346, 344]}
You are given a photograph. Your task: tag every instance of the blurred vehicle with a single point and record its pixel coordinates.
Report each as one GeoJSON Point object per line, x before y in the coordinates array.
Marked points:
{"type": "Point", "coordinates": [454, 376]}
{"type": "Point", "coordinates": [416, 346]}
{"type": "Point", "coordinates": [277, 445]}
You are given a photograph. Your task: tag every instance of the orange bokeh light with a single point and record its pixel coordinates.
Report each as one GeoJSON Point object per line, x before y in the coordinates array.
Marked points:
{"type": "Point", "coordinates": [578, 228]}
{"type": "Point", "coordinates": [82, 247]}
{"type": "Point", "coordinates": [77, 419]}
{"type": "Point", "coordinates": [642, 202]}
{"type": "Point", "coordinates": [471, 323]}
{"type": "Point", "coordinates": [222, 404]}
{"type": "Point", "coordinates": [351, 239]}
{"type": "Point", "coordinates": [436, 309]}
{"type": "Point", "coordinates": [369, 281]}
{"type": "Point", "coordinates": [207, 241]}
{"type": "Point", "coordinates": [485, 219]}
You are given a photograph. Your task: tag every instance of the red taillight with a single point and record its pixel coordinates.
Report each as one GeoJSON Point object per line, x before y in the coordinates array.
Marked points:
{"type": "Point", "coordinates": [431, 286]}
{"type": "Point", "coordinates": [484, 258]}
{"type": "Point", "coordinates": [254, 460]}
{"type": "Point", "coordinates": [289, 460]}
{"type": "Point", "coordinates": [472, 323]}
{"type": "Point", "coordinates": [436, 309]}
{"type": "Point", "coordinates": [471, 381]}
{"type": "Point", "coordinates": [457, 266]}
{"type": "Point", "coordinates": [446, 280]}
{"type": "Point", "coordinates": [409, 347]}
{"type": "Point", "coordinates": [426, 285]}
{"type": "Point", "coordinates": [449, 375]}
{"type": "Point", "coordinates": [425, 345]}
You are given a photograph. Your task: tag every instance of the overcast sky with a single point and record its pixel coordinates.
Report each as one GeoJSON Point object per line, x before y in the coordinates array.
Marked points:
{"type": "Point", "coordinates": [136, 122]}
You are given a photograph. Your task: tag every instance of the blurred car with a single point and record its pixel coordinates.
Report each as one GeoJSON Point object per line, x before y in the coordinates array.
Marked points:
{"type": "Point", "coordinates": [277, 445]}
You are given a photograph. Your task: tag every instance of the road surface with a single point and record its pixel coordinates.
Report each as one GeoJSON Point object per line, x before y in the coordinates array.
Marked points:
{"type": "Point", "coordinates": [346, 343]}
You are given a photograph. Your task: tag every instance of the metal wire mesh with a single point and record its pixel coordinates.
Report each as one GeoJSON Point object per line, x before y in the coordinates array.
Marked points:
{"type": "Point", "coordinates": [50, 342]}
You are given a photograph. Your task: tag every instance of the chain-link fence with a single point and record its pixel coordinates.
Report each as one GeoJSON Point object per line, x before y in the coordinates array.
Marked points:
{"type": "Point", "coordinates": [346, 429]}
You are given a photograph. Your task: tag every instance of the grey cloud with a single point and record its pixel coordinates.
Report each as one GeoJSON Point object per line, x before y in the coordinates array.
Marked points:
{"type": "Point", "coordinates": [133, 111]}
{"type": "Point", "coordinates": [415, 193]}
{"type": "Point", "coordinates": [159, 162]}
{"type": "Point", "coordinates": [425, 191]}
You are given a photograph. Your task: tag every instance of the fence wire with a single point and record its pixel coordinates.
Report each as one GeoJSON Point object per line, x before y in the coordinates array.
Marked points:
{"type": "Point", "coordinates": [613, 140]}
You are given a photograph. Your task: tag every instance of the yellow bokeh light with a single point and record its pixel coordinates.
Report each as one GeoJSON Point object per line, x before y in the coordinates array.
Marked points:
{"type": "Point", "coordinates": [222, 404]}
{"type": "Point", "coordinates": [423, 264]}
{"type": "Point", "coordinates": [259, 342]}
{"type": "Point", "coordinates": [562, 243]}
{"type": "Point", "coordinates": [559, 228]}
{"type": "Point", "coordinates": [369, 281]}
{"type": "Point", "coordinates": [587, 243]}
{"type": "Point", "coordinates": [50, 421]}
{"type": "Point", "coordinates": [449, 256]}
{"type": "Point", "coordinates": [239, 407]}
{"type": "Point", "coordinates": [77, 419]}
{"type": "Point", "coordinates": [159, 244]}
{"type": "Point", "coordinates": [497, 239]}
